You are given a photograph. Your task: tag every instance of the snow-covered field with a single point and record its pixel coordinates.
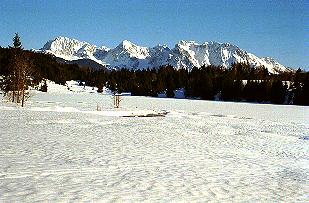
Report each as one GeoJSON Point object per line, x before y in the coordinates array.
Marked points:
{"type": "Point", "coordinates": [60, 149]}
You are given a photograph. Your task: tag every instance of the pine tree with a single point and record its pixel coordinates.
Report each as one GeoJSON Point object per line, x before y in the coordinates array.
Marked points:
{"type": "Point", "coordinates": [238, 89]}
{"type": "Point", "coordinates": [305, 91]}
{"type": "Point", "coordinates": [15, 74]}
{"type": "Point", "coordinates": [206, 88]}
{"type": "Point", "coordinates": [278, 92]}
{"type": "Point", "coordinates": [227, 88]}
{"type": "Point", "coordinates": [170, 86]}
{"type": "Point", "coordinates": [17, 42]}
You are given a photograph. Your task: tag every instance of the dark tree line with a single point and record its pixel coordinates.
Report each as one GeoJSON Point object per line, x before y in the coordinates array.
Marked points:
{"type": "Point", "coordinates": [238, 83]}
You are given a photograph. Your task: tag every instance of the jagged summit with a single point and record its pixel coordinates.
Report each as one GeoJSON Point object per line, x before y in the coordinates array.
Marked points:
{"type": "Point", "coordinates": [126, 43]}
{"type": "Point", "coordinates": [72, 49]}
{"type": "Point", "coordinates": [185, 54]}
{"type": "Point", "coordinates": [132, 50]}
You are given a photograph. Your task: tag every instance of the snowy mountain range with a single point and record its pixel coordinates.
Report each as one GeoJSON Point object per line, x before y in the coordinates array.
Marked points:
{"type": "Point", "coordinates": [185, 54]}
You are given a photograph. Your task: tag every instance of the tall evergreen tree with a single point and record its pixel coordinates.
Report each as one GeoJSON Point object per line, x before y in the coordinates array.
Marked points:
{"type": "Point", "coordinates": [17, 42]}
{"type": "Point", "coordinates": [238, 90]}
{"type": "Point", "coordinates": [227, 88]}
{"type": "Point", "coordinates": [278, 92]}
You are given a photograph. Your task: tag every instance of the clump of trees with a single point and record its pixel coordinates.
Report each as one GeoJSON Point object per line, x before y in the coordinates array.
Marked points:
{"type": "Point", "coordinates": [18, 73]}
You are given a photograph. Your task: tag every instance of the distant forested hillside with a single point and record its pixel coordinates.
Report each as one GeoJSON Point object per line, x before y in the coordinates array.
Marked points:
{"type": "Point", "coordinates": [238, 83]}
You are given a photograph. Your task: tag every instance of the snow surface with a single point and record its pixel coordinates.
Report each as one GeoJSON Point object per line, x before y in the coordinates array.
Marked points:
{"type": "Point", "coordinates": [185, 54]}
{"type": "Point", "coordinates": [60, 149]}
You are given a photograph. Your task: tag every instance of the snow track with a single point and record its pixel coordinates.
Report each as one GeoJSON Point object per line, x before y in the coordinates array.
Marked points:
{"type": "Point", "coordinates": [201, 151]}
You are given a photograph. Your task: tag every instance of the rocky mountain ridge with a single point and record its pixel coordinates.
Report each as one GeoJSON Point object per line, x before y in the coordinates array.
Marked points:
{"type": "Point", "coordinates": [185, 54]}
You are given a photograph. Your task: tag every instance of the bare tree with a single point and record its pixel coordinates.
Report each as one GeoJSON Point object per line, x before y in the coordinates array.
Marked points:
{"type": "Point", "coordinates": [26, 70]}
{"type": "Point", "coordinates": [116, 100]}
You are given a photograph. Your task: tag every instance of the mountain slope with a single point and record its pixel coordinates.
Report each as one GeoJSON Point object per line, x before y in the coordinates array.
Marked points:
{"type": "Point", "coordinates": [185, 54]}
{"type": "Point", "coordinates": [83, 63]}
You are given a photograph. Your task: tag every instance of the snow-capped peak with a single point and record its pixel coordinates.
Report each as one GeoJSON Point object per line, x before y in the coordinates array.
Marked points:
{"type": "Point", "coordinates": [104, 48]}
{"type": "Point", "coordinates": [126, 43]}
{"type": "Point", "coordinates": [185, 54]}
{"type": "Point", "coordinates": [72, 49]}
{"type": "Point", "coordinates": [186, 43]}
{"type": "Point", "coordinates": [128, 48]}
{"type": "Point", "coordinates": [161, 46]}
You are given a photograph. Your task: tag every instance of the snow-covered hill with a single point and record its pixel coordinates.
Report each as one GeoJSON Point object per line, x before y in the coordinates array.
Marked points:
{"type": "Point", "coordinates": [185, 54]}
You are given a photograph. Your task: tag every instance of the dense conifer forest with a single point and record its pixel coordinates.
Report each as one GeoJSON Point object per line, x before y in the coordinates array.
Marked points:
{"type": "Point", "coordinates": [238, 83]}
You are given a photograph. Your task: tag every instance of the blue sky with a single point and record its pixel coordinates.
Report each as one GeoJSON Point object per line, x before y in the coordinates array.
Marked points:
{"type": "Point", "coordinates": [279, 29]}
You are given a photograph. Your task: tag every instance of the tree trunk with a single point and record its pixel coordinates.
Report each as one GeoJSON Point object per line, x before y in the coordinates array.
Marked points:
{"type": "Point", "coordinates": [13, 98]}
{"type": "Point", "coordinates": [23, 97]}
{"type": "Point", "coordinates": [18, 87]}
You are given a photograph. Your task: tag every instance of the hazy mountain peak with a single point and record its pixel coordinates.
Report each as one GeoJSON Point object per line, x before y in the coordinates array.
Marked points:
{"type": "Point", "coordinates": [161, 45]}
{"type": "Point", "coordinates": [185, 42]}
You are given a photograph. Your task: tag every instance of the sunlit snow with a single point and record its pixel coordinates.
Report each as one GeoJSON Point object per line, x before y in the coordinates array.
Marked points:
{"type": "Point", "coordinates": [59, 148]}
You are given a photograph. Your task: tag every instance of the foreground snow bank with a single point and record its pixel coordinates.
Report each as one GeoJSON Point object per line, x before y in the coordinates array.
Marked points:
{"type": "Point", "coordinates": [60, 149]}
